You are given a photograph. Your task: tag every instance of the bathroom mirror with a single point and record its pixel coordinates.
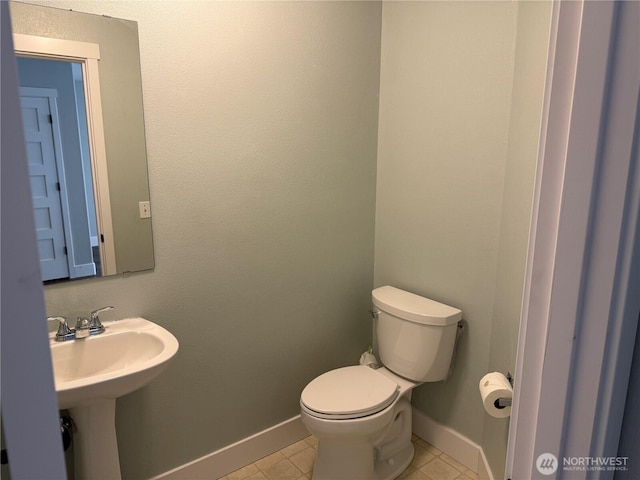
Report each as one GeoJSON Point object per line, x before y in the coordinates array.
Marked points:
{"type": "Point", "coordinates": [114, 182]}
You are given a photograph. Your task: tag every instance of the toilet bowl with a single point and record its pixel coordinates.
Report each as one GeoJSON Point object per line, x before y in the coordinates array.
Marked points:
{"type": "Point", "coordinates": [362, 420]}
{"type": "Point", "coordinates": [361, 416]}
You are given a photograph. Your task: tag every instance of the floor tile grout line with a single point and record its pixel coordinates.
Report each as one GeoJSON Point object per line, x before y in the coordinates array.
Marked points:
{"type": "Point", "coordinates": [281, 466]}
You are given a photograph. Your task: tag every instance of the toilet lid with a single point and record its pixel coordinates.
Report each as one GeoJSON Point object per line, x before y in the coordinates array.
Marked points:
{"type": "Point", "coordinates": [349, 392]}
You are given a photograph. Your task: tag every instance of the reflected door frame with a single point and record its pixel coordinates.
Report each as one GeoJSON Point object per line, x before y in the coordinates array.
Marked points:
{"type": "Point", "coordinates": [88, 55]}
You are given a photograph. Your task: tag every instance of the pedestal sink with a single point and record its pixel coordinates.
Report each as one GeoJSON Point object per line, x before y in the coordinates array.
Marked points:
{"type": "Point", "coordinates": [91, 373]}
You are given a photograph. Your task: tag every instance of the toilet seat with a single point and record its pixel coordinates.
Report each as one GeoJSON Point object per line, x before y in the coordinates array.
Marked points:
{"type": "Point", "coordinates": [348, 392]}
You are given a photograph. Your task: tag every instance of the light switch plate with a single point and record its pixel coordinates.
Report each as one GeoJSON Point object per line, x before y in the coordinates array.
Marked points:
{"type": "Point", "coordinates": [145, 209]}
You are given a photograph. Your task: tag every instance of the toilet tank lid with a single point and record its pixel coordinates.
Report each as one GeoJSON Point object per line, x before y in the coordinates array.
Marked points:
{"type": "Point", "coordinates": [414, 308]}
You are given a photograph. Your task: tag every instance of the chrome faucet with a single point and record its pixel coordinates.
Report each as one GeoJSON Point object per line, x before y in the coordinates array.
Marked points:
{"type": "Point", "coordinates": [64, 332]}
{"type": "Point", "coordinates": [84, 327]}
{"type": "Point", "coordinates": [95, 325]}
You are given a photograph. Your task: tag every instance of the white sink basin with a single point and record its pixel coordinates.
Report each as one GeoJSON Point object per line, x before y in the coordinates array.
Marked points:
{"type": "Point", "coordinates": [128, 355]}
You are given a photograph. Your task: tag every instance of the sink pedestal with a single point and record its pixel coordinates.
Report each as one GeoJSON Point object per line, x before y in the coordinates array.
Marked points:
{"type": "Point", "coordinates": [90, 374]}
{"type": "Point", "coordinates": [95, 444]}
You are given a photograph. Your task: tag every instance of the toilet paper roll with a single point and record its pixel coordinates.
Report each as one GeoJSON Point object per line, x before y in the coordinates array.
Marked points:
{"type": "Point", "coordinates": [369, 359]}
{"type": "Point", "coordinates": [493, 386]}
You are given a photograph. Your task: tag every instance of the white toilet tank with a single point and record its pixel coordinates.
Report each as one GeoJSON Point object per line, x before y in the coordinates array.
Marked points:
{"type": "Point", "coordinates": [415, 335]}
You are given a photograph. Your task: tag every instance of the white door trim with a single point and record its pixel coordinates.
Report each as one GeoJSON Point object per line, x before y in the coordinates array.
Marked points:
{"type": "Point", "coordinates": [564, 347]}
{"type": "Point", "coordinates": [534, 323]}
{"type": "Point", "coordinates": [55, 47]}
{"type": "Point", "coordinates": [88, 54]}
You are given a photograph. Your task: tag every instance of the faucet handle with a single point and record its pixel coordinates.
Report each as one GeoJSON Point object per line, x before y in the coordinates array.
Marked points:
{"type": "Point", "coordinates": [95, 325]}
{"type": "Point", "coordinates": [64, 332]}
{"type": "Point", "coordinates": [57, 319]}
{"type": "Point", "coordinates": [95, 320]}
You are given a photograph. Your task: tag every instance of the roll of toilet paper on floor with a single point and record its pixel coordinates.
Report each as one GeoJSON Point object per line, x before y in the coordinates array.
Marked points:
{"type": "Point", "coordinates": [493, 386]}
{"type": "Point", "coordinates": [369, 359]}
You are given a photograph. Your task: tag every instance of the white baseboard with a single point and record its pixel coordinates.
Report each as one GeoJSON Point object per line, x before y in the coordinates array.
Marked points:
{"type": "Point", "coordinates": [484, 472]}
{"type": "Point", "coordinates": [229, 459]}
{"type": "Point", "coordinates": [457, 446]}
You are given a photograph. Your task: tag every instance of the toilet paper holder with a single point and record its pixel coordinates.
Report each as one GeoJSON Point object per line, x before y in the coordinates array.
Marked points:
{"type": "Point", "coordinates": [502, 402]}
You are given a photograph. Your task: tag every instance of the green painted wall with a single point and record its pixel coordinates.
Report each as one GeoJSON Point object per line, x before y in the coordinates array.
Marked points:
{"type": "Point", "coordinates": [270, 126]}
{"type": "Point", "coordinates": [261, 128]}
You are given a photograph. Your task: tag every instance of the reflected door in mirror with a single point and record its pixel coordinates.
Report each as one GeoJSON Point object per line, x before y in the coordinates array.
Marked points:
{"type": "Point", "coordinates": [55, 125]}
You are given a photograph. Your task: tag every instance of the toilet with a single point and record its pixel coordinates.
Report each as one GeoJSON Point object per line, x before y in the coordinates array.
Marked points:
{"type": "Point", "coordinates": [362, 416]}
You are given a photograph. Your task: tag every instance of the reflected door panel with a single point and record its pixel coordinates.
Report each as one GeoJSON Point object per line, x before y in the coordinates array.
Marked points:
{"type": "Point", "coordinates": [45, 189]}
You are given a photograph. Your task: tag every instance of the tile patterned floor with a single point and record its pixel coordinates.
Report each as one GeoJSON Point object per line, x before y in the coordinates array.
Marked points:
{"type": "Point", "coordinates": [295, 462]}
